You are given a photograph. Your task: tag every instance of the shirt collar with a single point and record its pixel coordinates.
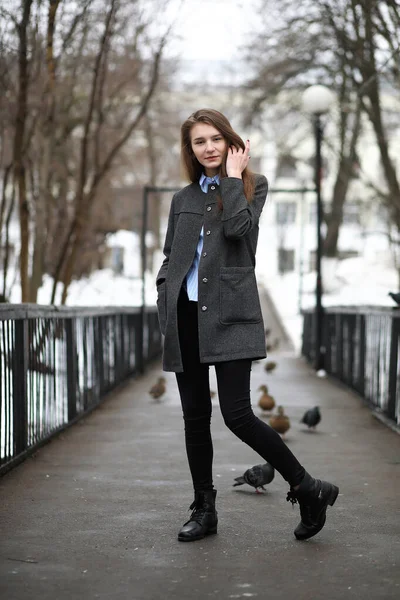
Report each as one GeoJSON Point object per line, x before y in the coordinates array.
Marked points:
{"type": "Point", "coordinates": [205, 181]}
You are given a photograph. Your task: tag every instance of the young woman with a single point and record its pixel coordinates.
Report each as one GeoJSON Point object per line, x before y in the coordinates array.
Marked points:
{"type": "Point", "coordinates": [210, 314]}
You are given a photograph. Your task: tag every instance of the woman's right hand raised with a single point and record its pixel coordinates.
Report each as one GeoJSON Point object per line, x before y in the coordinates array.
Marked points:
{"type": "Point", "coordinates": [237, 160]}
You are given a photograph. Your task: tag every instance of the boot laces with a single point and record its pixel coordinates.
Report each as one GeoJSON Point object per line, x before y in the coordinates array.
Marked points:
{"type": "Point", "coordinates": [305, 507]}
{"type": "Point", "coordinates": [291, 497]}
{"type": "Point", "coordinates": [198, 513]}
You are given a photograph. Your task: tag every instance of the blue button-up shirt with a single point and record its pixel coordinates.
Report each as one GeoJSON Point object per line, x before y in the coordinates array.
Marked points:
{"type": "Point", "coordinates": [192, 278]}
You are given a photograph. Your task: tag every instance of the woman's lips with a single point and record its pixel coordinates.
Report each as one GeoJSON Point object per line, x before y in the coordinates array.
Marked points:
{"type": "Point", "coordinates": [211, 157]}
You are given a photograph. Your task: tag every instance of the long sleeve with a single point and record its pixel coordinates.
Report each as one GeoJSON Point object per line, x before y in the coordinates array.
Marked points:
{"type": "Point", "coordinates": [162, 273]}
{"type": "Point", "coordinates": [240, 216]}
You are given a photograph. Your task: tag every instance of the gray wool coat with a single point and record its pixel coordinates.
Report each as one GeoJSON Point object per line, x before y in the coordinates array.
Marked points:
{"type": "Point", "coordinates": [229, 311]}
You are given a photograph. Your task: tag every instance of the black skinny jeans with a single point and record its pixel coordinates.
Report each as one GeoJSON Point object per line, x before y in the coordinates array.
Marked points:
{"type": "Point", "coordinates": [233, 378]}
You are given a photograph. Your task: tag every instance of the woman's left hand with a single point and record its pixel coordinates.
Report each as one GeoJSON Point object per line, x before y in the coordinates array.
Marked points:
{"type": "Point", "coordinates": [237, 160]}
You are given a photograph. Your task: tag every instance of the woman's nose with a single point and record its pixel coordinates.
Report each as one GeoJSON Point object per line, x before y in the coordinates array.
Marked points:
{"type": "Point", "coordinates": [209, 146]}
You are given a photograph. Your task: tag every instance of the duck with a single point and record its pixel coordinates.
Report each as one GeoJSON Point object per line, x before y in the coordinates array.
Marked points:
{"type": "Point", "coordinates": [265, 402]}
{"type": "Point", "coordinates": [270, 366]}
{"type": "Point", "coordinates": [280, 422]}
{"type": "Point", "coordinates": [158, 389]}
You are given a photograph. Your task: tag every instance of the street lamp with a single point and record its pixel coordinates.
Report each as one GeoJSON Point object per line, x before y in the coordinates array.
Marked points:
{"type": "Point", "coordinates": [316, 101]}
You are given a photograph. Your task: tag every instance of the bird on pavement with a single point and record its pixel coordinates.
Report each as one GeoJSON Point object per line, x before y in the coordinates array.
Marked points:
{"type": "Point", "coordinates": [158, 388]}
{"type": "Point", "coordinates": [270, 366]}
{"type": "Point", "coordinates": [266, 401]}
{"type": "Point", "coordinates": [395, 297]}
{"type": "Point", "coordinates": [311, 417]}
{"type": "Point", "coordinates": [280, 422]}
{"type": "Point", "coordinates": [257, 476]}
{"type": "Point", "coordinates": [212, 393]}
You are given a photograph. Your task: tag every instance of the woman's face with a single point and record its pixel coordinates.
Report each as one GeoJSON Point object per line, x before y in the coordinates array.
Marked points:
{"type": "Point", "coordinates": [209, 147]}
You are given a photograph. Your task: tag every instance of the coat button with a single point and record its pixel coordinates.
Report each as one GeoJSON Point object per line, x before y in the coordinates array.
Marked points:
{"type": "Point", "coordinates": [204, 308]}
{"type": "Point", "coordinates": [208, 232]}
{"type": "Point", "coordinates": [205, 279]}
{"type": "Point", "coordinates": [208, 208]}
{"type": "Point", "coordinates": [213, 187]}
{"type": "Point", "coordinates": [204, 253]}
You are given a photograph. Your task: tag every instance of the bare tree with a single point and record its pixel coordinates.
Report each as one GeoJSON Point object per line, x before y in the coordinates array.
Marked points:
{"type": "Point", "coordinates": [340, 42]}
{"type": "Point", "coordinates": [88, 185]}
{"type": "Point", "coordinates": [86, 75]}
{"type": "Point", "coordinates": [368, 32]}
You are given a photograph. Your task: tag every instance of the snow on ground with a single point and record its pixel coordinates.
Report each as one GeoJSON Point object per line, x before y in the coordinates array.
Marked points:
{"type": "Point", "coordinates": [104, 288]}
{"type": "Point", "coordinates": [360, 281]}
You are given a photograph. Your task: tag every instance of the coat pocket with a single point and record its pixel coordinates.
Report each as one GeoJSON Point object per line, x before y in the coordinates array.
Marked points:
{"type": "Point", "coordinates": [239, 301]}
{"type": "Point", "coordinates": [162, 306]}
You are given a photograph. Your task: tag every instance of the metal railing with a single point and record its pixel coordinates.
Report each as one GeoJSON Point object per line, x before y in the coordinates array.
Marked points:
{"type": "Point", "coordinates": [362, 348]}
{"type": "Point", "coordinates": [56, 364]}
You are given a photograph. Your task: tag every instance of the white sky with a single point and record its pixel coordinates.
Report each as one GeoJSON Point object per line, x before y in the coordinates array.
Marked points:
{"type": "Point", "coordinates": [211, 29]}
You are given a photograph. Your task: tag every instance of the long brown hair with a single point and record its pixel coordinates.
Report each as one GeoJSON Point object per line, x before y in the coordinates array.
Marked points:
{"type": "Point", "coordinates": [191, 166]}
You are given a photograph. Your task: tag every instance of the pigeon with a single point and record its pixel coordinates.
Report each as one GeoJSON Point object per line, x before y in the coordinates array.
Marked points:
{"type": "Point", "coordinates": [267, 332]}
{"type": "Point", "coordinates": [280, 422]}
{"type": "Point", "coordinates": [395, 297]}
{"type": "Point", "coordinates": [265, 402]}
{"type": "Point", "coordinates": [158, 388]}
{"type": "Point", "coordinates": [257, 476]}
{"type": "Point", "coordinates": [212, 393]}
{"type": "Point", "coordinates": [270, 366]}
{"type": "Point", "coordinates": [311, 417]}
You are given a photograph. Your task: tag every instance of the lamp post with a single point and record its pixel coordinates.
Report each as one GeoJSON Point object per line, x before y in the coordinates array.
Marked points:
{"type": "Point", "coordinates": [316, 101]}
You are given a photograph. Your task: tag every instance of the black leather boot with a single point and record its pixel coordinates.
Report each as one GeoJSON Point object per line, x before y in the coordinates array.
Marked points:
{"type": "Point", "coordinates": [313, 496]}
{"type": "Point", "coordinates": [203, 520]}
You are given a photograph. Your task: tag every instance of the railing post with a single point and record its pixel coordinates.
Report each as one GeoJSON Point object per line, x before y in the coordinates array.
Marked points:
{"type": "Point", "coordinates": [20, 385]}
{"type": "Point", "coordinates": [361, 355]}
{"type": "Point", "coordinates": [393, 367]}
{"type": "Point", "coordinates": [100, 352]}
{"type": "Point", "coordinates": [328, 340]}
{"type": "Point", "coordinates": [139, 339]}
{"type": "Point", "coordinates": [143, 251]}
{"type": "Point", "coordinates": [72, 368]}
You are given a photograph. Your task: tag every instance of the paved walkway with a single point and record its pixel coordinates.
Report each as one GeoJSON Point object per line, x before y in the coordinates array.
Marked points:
{"type": "Point", "coordinates": [94, 514]}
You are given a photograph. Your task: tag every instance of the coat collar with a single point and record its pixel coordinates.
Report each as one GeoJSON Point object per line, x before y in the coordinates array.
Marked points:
{"type": "Point", "coordinates": [205, 181]}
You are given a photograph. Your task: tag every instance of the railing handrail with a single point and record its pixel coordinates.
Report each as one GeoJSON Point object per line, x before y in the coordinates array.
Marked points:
{"type": "Point", "coordinates": [393, 311]}
{"type": "Point", "coordinates": [33, 311]}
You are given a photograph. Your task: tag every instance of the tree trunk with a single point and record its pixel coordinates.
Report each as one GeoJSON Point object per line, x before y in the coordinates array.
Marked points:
{"type": "Point", "coordinates": [44, 196]}
{"type": "Point", "coordinates": [155, 197]}
{"type": "Point", "coordinates": [71, 261]}
{"type": "Point", "coordinates": [7, 242]}
{"type": "Point", "coordinates": [371, 83]}
{"type": "Point", "coordinates": [341, 187]}
{"type": "Point", "coordinates": [18, 151]}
